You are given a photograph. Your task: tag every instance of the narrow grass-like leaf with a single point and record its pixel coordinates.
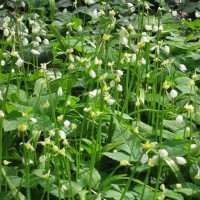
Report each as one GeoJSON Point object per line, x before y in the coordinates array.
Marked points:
{"type": "Point", "coordinates": [59, 37]}
{"type": "Point", "coordinates": [52, 9]}
{"type": "Point", "coordinates": [175, 169]}
{"type": "Point", "coordinates": [15, 193]}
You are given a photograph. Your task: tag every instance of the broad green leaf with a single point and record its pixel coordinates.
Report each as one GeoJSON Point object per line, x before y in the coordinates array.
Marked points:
{"type": "Point", "coordinates": [118, 156]}
{"type": "Point", "coordinates": [40, 87]}
{"type": "Point", "coordinates": [173, 195]}
{"type": "Point", "coordinates": [131, 143]}
{"type": "Point", "coordinates": [85, 176]}
{"type": "Point", "coordinates": [111, 146]}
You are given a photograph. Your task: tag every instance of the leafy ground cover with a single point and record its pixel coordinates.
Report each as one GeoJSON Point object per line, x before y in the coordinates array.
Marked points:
{"type": "Point", "coordinates": [99, 100]}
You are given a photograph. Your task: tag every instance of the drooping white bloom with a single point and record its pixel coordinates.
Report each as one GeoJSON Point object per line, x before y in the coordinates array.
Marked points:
{"type": "Point", "coordinates": [19, 62]}
{"type": "Point", "coordinates": [38, 39]}
{"type": "Point", "coordinates": [3, 63]}
{"type": "Point", "coordinates": [119, 88]}
{"type": "Point", "coordinates": [93, 93]}
{"type": "Point", "coordinates": [35, 52]}
{"type": "Point", "coordinates": [173, 94]}
{"type": "Point", "coordinates": [148, 27]}
{"type": "Point", "coordinates": [133, 58]}
{"type": "Point", "coordinates": [189, 108]}
{"type": "Point", "coordinates": [92, 73]}
{"type": "Point", "coordinates": [160, 28]}
{"type": "Point", "coordinates": [179, 119]}
{"type": "Point", "coordinates": [1, 114]}
{"type": "Point", "coordinates": [80, 28]}
{"type": "Point", "coordinates": [6, 32]}
{"type": "Point", "coordinates": [66, 123]}
{"type": "Point", "coordinates": [60, 92]}
{"type": "Point", "coordinates": [125, 41]}
{"type": "Point", "coordinates": [42, 158]}
{"type": "Point", "coordinates": [174, 13]}
{"type": "Point", "coordinates": [167, 49]}
{"type": "Point", "coordinates": [155, 28]}
{"type": "Point", "coordinates": [143, 61]}
{"type": "Point", "coordinates": [163, 153]}
{"type": "Point", "coordinates": [23, 4]}
{"type": "Point", "coordinates": [25, 42]}
{"type": "Point", "coordinates": [180, 160]}
{"type": "Point", "coordinates": [46, 41]}
{"type": "Point", "coordinates": [119, 73]}
{"type": "Point", "coordinates": [112, 84]}
{"type": "Point", "coordinates": [110, 101]}
{"type": "Point", "coordinates": [62, 134]}
{"type": "Point", "coordinates": [32, 120]}
{"type": "Point", "coordinates": [182, 67]}
{"type": "Point", "coordinates": [144, 158]}
{"type": "Point", "coordinates": [131, 7]}
{"type": "Point", "coordinates": [193, 146]}
{"type": "Point", "coordinates": [65, 11]}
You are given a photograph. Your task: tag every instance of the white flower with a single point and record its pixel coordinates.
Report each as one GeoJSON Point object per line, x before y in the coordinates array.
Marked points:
{"type": "Point", "coordinates": [3, 63]}
{"type": "Point", "coordinates": [112, 83]}
{"type": "Point", "coordinates": [60, 92]}
{"type": "Point", "coordinates": [32, 120]}
{"type": "Point", "coordinates": [182, 67]}
{"type": "Point", "coordinates": [46, 41]}
{"type": "Point", "coordinates": [163, 153]}
{"type": "Point", "coordinates": [193, 146]}
{"type": "Point", "coordinates": [119, 88]}
{"type": "Point", "coordinates": [93, 93]}
{"type": "Point", "coordinates": [119, 73]}
{"type": "Point", "coordinates": [42, 158]}
{"type": "Point", "coordinates": [167, 49]}
{"type": "Point", "coordinates": [6, 32]}
{"type": "Point", "coordinates": [65, 11]}
{"type": "Point", "coordinates": [38, 39]}
{"type": "Point", "coordinates": [173, 94]}
{"type": "Point", "coordinates": [131, 7]}
{"type": "Point", "coordinates": [35, 52]}
{"type": "Point", "coordinates": [23, 4]}
{"type": "Point", "coordinates": [180, 160]}
{"type": "Point", "coordinates": [80, 28]}
{"type": "Point", "coordinates": [25, 42]}
{"type": "Point", "coordinates": [174, 13]}
{"type": "Point", "coordinates": [62, 134]}
{"type": "Point", "coordinates": [155, 28]}
{"type": "Point", "coordinates": [125, 41]}
{"type": "Point", "coordinates": [110, 102]}
{"type": "Point", "coordinates": [66, 123]}
{"type": "Point", "coordinates": [160, 28]}
{"type": "Point", "coordinates": [179, 119]}
{"type": "Point", "coordinates": [19, 62]}
{"type": "Point", "coordinates": [1, 114]}
{"type": "Point", "coordinates": [148, 27]}
{"type": "Point", "coordinates": [143, 61]}
{"type": "Point", "coordinates": [178, 186]}
{"type": "Point", "coordinates": [189, 108]}
{"type": "Point", "coordinates": [144, 158]}
{"type": "Point", "coordinates": [133, 58]}
{"type": "Point", "coordinates": [92, 73]}
{"type": "Point", "coordinates": [89, 2]}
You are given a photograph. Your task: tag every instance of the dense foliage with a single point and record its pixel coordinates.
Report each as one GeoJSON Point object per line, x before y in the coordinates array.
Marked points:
{"type": "Point", "coordinates": [99, 100]}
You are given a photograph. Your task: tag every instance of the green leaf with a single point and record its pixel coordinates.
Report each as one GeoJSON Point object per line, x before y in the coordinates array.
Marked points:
{"type": "Point", "coordinates": [118, 156]}
{"type": "Point", "coordinates": [40, 87]}
{"type": "Point", "coordinates": [59, 37]}
{"type": "Point", "coordinates": [173, 195]}
{"type": "Point", "coordinates": [131, 143]}
{"type": "Point", "coordinates": [52, 9]}
{"type": "Point", "coordinates": [175, 169]}
{"type": "Point", "coordinates": [85, 177]}
{"type": "Point", "coordinates": [15, 192]}
{"type": "Point", "coordinates": [111, 146]}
